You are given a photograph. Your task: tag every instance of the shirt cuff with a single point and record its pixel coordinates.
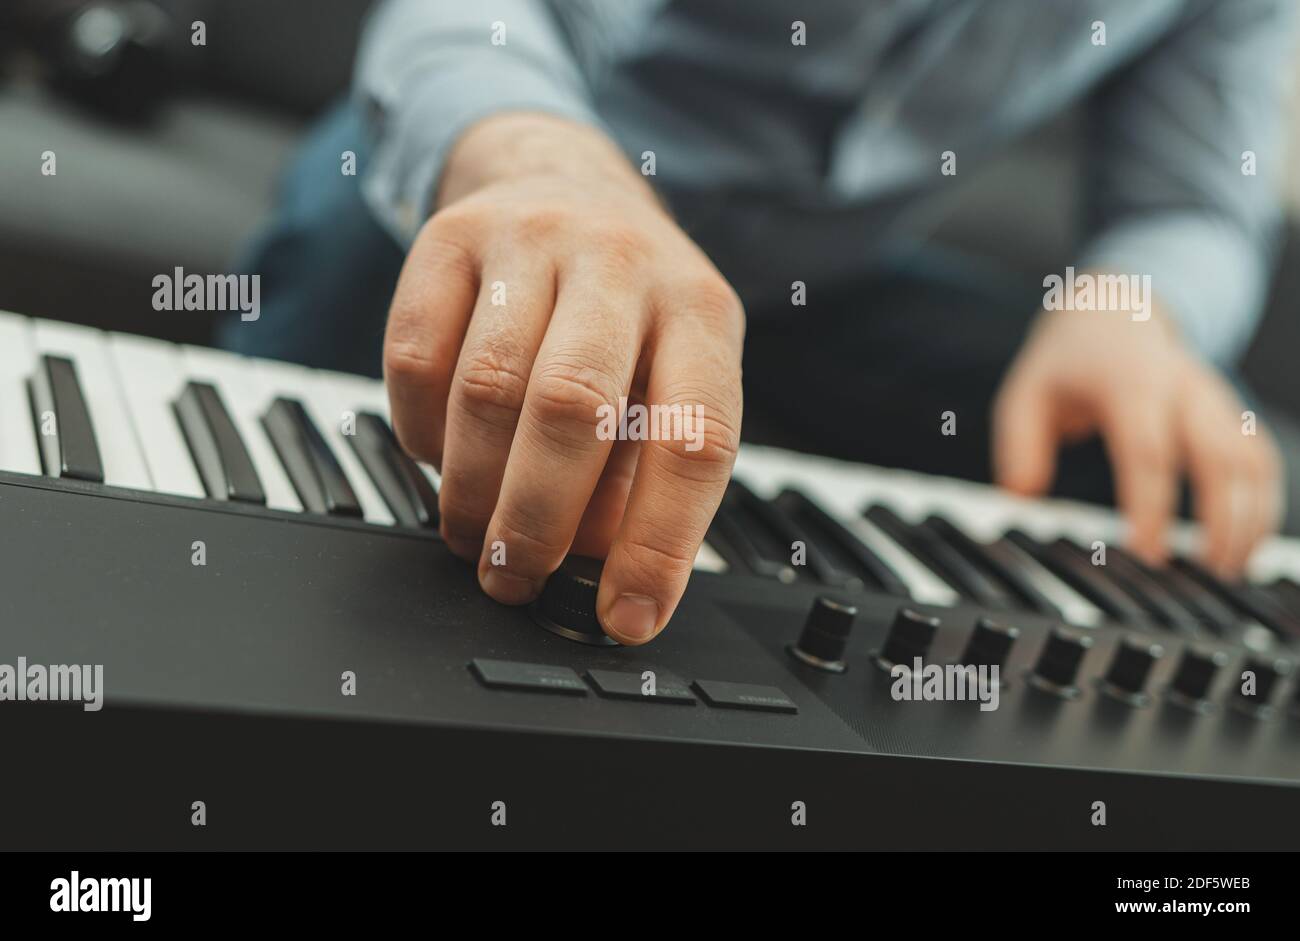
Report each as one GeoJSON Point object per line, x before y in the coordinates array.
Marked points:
{"type": "Point", "coordinates": [415, 135]}
{"type": "Point", "coordinates": [1207, 274]}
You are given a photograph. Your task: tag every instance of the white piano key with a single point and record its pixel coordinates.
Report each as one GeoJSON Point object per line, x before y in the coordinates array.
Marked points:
{"type": "Point", "coordinates": [328, 401]}
{"type": "Point", "coordinates": [152, 376]}
{"type": "Point", "coordinates": [708, 560]}
{"type": "Point", "coordinates": [235, 379]}
{"type": "Point", "coordinates": [18, 450]}
{"type": "Point", "coordinates": [119, 449]}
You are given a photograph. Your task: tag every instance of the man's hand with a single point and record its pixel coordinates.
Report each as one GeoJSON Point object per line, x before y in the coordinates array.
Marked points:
{"type": "Point", "coordinates": [549, 283]}
{"type": "Point", "coordinates": [1160, 411]}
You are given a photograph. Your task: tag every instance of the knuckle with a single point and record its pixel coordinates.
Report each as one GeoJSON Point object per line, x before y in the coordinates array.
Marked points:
{"type": "Point", "coordinates": [529, 539]}
{"type": "Point", "coordinates": [491, 385]}
{"type": "Point", "coordinates": [621, 245]}
{"type": "Point", "coordinates": [707, 455]}
{"type": "Point", "coordinates": [445, 240]}
{"type": "Point", "coordinates": [568, 393]}
{"type": "Point", "coordinates": [541, 224]}
{"type": "Point", "coordinates": [658, 560]}
{"type": "Point", "coordinates": [410, 363]}
{"type": "Point", "coordinates": [708, 297]}
{"type": "Point", "coordinates": [715, 297]}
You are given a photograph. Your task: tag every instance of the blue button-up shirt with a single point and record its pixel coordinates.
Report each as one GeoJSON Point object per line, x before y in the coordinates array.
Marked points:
{"type": "Point", "coordinates": [794, 140]}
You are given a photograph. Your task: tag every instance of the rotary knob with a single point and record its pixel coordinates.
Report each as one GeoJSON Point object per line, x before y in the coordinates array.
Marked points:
{"type": "Point", "coordinates": [909, 637]}
{"type": "Point", "coordinates": [1057, 668]}
{"type": "Point", "coordinates": [1126, 679]}
{"type": "Point", "coordinates": [825, 635]}
{"type": "Point", "coordinates": [989, 643]}
{"type": "Point", "coordinates": [567, 605]}
{"type": "Point", "coordinates": [1195, 675]}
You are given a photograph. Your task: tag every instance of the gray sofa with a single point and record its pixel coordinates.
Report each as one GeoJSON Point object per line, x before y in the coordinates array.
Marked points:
{"type": "Point", "coordinates": [188, 188]}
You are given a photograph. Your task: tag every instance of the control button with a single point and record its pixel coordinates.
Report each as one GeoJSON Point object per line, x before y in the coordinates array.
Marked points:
{"type": "Point", "coordinates": [1268, 675]}
{"type": "Point", "coordinates": [1058, 665]}
{"type": "Point", "coordinates": [744, 696]}
{"type": "Point", "coordinates": [989, 643]}
{"type": "Point", "coordinates": [617, 684]}
{"type": "Point", "coordinates": [909, 637]}
{"type": "Point", "coordinates": [1130, 669]}
{"type": "Point", "coordinates": [825, 635]}
{"type": "Point", "coordinates": [567, 605]}
{"type": "Point", "coordinates": [1195, 675]}
{"type": "Point", "coordinates": [538, 677]}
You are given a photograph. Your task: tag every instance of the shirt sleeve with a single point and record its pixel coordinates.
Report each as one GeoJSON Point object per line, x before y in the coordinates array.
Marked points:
{"type": "Point", "coordinates": [1171, 192]}
{"type": "Point", "coordinates": [428, 69]}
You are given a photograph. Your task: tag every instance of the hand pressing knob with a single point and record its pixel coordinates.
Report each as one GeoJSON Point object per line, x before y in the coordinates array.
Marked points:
{"type": "Point", "coordinates": [909, 637]}
{"type": "Point", "coordinates": [825, 635]}
{"type": "Point", "coordinates": [1126, 679]}
{"type": "Point", "coordinates": [1057, 668]}
{"type": "Point", "coordinates": [1195, 675]}
{"type": "Point", "coordinates": [567, 605]}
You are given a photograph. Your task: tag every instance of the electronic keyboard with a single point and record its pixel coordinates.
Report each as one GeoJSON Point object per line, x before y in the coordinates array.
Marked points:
{"type": "Point", "coordinates": [865, 658]}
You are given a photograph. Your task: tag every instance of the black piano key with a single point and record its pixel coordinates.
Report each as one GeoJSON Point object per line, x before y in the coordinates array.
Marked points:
{"type": "Point", "coordinates": [1130, 576]}
{"type": "Point", "coordinates": [998, 562]}
{"type": "Point", "coordinates": [1080, 575]}
{"type": "Point", "coordinates": [312, 467]}
{"type": "Point", "coordinates": [785, 531]}
{"type": "Point", "coordinates": [737, 534]}
{"type": "Point", "coordinates": [403, 486]}
{"type": "Point", "coordinates": [1287, 593]}
{"type": "Point", "coordinates": [1249, 600]}
{"type": "Point", "coordinates": [945, 561]}
{"type": "Point", "coordinates": [64, 433]}
{"type": "Point", "coordinates": [1205, 607]}
{"type": "Point", "coordinates": [223, 462]}
{"type": "Point", "coordinates": [828, 531]}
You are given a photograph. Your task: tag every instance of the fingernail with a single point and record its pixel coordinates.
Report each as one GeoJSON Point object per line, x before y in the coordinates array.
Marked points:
{"type": "Point", "coordinates": [633, 617]}
{"type": "Point", "coordinates": [507, 588]}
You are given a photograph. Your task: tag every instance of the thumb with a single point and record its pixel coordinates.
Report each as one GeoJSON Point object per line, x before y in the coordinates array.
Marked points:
{"type": "Point", "coordinates": [1025, 437]}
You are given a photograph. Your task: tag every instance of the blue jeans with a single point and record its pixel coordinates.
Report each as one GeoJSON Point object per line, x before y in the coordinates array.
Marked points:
{"type": "Point", "coordinates": [328, 269]}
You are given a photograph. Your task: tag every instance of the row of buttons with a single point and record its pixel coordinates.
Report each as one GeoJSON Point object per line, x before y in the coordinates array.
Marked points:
{"type": "Point", "coordinates": [617, 684]}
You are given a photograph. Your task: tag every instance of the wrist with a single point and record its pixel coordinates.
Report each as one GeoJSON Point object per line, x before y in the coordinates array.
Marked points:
{"type": "Point", "coordinates": [520, 145]}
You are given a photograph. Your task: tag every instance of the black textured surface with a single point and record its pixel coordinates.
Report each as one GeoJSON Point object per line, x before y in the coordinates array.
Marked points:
{"type": "Point", "coordinates": [225, 679]}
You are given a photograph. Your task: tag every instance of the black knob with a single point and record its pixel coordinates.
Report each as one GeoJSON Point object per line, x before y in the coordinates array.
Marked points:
{"type": "Point", "coordinates": [1195, 674]}
{"type": "Point", "coordinates": [1131, 668]}
{"type": "Point", "coordinates": [1268, 674]}
{"type": "Point", "coordinates": [825, 634]}
{"type": "Point", "coordinates": [909, 637]}
{"type": "Point", "coordinates": [567, 605]}
{"type": "Point", "coordinates": [989, 643]}
{"type": "Point", "coordinates": [1058, 664]}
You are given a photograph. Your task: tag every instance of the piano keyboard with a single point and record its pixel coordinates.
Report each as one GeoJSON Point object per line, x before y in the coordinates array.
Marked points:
{"type": "Point", "coordinates": [196, 423]}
